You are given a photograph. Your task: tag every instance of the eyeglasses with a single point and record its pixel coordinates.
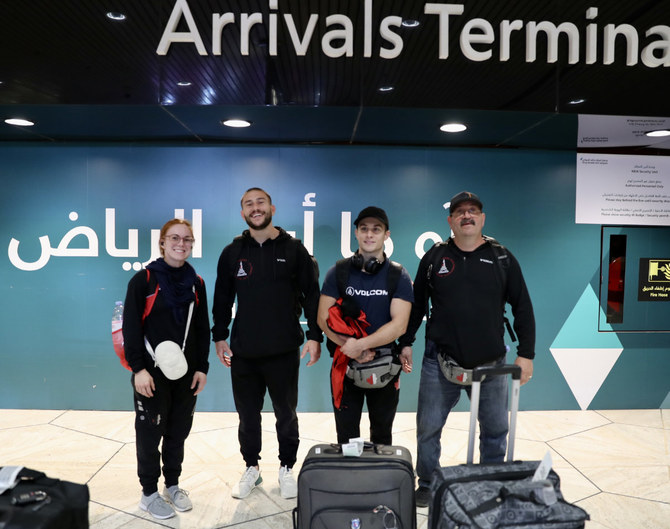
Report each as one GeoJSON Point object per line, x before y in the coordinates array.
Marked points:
{"type": "Point", "coordinates": [188, 241]}
{"type": "Point", "coordinates": [460, 212]}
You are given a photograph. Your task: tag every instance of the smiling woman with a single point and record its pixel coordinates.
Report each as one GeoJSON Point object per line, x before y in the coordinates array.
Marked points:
{"type": "Point", "coordinates": [167, 376]}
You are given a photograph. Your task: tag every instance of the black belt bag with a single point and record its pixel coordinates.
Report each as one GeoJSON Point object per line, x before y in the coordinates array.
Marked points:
{"type": "Point", "coordinates": [376, 373]}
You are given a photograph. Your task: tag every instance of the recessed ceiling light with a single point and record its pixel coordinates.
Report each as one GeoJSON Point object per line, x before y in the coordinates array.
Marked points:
{"type": "Point", "coordinates": [410, 23]}
{"type": "Point", "coordinates": [116, 16]}
{"type": "Point", "coordinates": [453, 127]}
{"type": "Point", "coordinates": [387, 88]}
{"type": "Point", "coordinates": [184, 83]}
{"type": "Point", "coordinates": [236, 123]}
{"type": "Point", "coordinates": [19, 122]}
{"type": "Point", "coordinates": [576, 101]}
{"type": "Point", "coordinates": [658, 133]}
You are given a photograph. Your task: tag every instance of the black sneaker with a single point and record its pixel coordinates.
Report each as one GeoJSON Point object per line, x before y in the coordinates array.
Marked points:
{"type": "Point", "coordinates": [422, 496]}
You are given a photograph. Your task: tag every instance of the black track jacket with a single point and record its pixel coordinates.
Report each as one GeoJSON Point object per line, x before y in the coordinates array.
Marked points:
{"type": "Point", "coordinates": [272, 282]}
{"type": "Point", "coordinates": [465, 291]}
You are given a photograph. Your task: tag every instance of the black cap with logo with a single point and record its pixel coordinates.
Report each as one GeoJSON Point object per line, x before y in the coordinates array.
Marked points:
{"type": "Point", "coordinates": [464, 196]}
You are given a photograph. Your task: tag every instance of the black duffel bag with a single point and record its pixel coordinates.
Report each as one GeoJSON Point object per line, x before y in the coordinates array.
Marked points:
{"type": "Point", "coordinates": [40, 502]}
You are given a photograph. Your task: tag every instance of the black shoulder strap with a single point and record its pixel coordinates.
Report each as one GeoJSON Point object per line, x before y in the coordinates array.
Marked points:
{"type": "Point", "coordinates": [395, 271]}
{"type": "Point", "coordinates": [502, 267]}
{"type": "Point", "coordinates": [342, 268]}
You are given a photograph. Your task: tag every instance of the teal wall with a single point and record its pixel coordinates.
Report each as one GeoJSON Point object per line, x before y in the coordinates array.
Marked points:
{"type": "Point", "coordinates": [56, 347]}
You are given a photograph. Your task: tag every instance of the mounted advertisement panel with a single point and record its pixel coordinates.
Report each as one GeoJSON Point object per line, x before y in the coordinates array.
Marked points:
{"type": "Point", "coordinates": [624, 190]}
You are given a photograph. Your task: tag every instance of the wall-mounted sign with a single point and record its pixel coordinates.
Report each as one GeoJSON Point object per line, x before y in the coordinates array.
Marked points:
{"type": "Point", "coordinates": [623, 190]}
{"type": "Point", "coordinates": [654, 282]}
{"type": "Point", "coordinates": [338, 34]}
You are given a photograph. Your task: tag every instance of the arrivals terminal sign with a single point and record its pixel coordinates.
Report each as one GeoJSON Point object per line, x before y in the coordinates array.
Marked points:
{"type": "Point", "coordinates": [477, 37]}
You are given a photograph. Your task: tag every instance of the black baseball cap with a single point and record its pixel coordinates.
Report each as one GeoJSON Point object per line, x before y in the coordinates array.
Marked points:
{"type": "Point", "coordinates": [375, 213]}
{"type": "Point", "coordinates": [464, 196]}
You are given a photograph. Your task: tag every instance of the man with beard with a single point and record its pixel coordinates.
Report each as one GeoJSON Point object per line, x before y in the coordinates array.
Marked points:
{"type": "Point", "coordinates": [468, 280]}
{"type": "Point", "coordinates": [273, 277]}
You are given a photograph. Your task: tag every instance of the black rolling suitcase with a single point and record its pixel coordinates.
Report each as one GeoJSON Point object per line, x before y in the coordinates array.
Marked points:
{"type": "Point", "coordinates": [499, 495]}
{"type": "Point", "coordinates": [372, 491]}
{"type": "Point", "coordinates": [40, 502]}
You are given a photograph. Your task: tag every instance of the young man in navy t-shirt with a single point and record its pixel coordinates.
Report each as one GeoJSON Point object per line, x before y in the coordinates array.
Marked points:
{"type": "Point", "coordinates": [367, 284]}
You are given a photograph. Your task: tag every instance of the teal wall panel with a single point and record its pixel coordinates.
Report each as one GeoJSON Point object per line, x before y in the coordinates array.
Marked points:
{"type": "Point", "coordinates": [57, 350]}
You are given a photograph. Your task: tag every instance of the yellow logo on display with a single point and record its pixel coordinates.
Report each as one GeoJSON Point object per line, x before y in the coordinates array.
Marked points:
{"type": "Point", "coordinates": [659, 271]}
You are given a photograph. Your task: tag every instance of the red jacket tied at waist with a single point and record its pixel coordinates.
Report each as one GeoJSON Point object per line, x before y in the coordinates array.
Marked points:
{"type": "Point", "coordinates": [345, 323]}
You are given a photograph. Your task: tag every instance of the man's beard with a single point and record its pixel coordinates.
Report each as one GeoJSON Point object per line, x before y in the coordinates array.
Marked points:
{"type": "Point", "coordinates": [267, 219]}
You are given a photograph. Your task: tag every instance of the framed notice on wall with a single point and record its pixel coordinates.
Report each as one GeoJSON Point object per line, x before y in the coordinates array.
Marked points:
{"type": "Point", "coordinates": [654, 283]}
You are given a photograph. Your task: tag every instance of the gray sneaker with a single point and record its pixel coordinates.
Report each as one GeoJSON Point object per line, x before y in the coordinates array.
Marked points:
{"type": "Point", "coordinates": [156, 506]}
{"type": "Point", "coordinates": [250, 480]}
{"type": "Point", "coordinates": [288, 488]}
{"type": "Point", "coordinates": [178, 498]}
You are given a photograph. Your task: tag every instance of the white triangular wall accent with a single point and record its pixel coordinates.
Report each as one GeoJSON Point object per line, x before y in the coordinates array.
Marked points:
{"type": "Point", "coordinates": [585, 370]}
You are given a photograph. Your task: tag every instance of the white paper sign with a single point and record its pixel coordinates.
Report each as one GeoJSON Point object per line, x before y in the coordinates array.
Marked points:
{"type": "Point", "coordinates": [623, 189]}
{"type": "Point", "coordinates": [620, 131]}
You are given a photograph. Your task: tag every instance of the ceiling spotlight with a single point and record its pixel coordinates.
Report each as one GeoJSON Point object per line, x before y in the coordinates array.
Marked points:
{"type": "Point", "coordinates": [453, 127]}
{"type": "Point", "coordinates": [410, 23]}
{"type": "Point", "coordinates": [576, 101]}
{"type": "Point", "coordinates": [658, 133]}
{"type": "Point", "coordinates": [387, 88]}
{"type": "Point", "coordinates": [236, 123]}
{"type": "Point", "coordinates": [184, 83]}
{"type": "Point", "coordinates": [116, 16]}
{"type": "Point", "coordinates": [19, 122]}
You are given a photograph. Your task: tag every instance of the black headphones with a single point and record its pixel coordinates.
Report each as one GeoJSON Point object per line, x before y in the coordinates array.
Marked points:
{"type": "Point", "coordinates": [371, 266]}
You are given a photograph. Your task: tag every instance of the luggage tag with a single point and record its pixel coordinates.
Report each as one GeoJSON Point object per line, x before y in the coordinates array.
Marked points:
{"type": "Point", "coordinates": [354, 448]}
{"type": "Point", "coordinates": [544, 467]}
{"type": "Point", "coordinates": [546, 494]}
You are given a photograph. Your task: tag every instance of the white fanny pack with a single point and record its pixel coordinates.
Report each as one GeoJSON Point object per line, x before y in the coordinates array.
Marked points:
{"type": "Point", "coordinates": [168, 356]}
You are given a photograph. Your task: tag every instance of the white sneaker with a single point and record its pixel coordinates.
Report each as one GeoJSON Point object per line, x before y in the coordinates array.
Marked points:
{"type": "Point", "coordinates": [250, 480]}
{"type": "Point", "coordinates": [288, 488]}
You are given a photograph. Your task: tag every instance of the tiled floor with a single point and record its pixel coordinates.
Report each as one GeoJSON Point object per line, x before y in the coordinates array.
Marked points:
{"type": "Point", "coordinates": [614, 464]}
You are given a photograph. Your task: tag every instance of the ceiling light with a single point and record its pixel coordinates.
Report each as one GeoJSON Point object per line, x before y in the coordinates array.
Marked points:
{"type": "Point", "coordinates": [658, 133]}
{"type": "Point", "coordinates": [410, 23]}
{"type": "Point", "coordinates": [453, 127]}
{"type": "Point", "coordinates": [116, 16]}
{"type": "Point", "coordinates": [184, 83]}
{"type": "Point", "coordinates": [387, 88]}
{"type": "Point", "coordinates": [19, 122]}
{"type": "Point", "coordinates": [236, 123]}
{"type": "Point", "coordinates": [576, 101]}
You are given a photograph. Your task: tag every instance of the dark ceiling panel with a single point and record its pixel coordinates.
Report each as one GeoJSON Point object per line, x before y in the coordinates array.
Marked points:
{"type": "Point", "coordinates": [67, 53]}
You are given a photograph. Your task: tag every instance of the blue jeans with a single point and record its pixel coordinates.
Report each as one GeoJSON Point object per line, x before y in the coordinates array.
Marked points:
{"type": "Point", "coordinates": [438, 396]}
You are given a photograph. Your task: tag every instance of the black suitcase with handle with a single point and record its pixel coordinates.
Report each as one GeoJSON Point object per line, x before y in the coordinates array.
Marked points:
{"type": "Point", "coordinates": [499, 495]}
{"type": "Point", "coordinates": [372, 491]}
{"type": "Point", "coordinates": [40, 502]}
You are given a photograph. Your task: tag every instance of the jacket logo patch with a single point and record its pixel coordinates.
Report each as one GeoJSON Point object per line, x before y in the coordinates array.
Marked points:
{"type": "Point", "coordinates": [244, 269]}
{"type": "Point", "coordinates": [446, 268]}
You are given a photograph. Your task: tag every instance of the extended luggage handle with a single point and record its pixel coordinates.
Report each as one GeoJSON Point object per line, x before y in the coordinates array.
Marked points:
{"type": "Point", "coordinates": [478, 374]}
